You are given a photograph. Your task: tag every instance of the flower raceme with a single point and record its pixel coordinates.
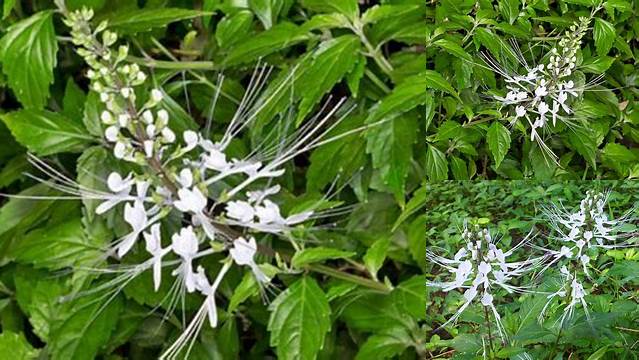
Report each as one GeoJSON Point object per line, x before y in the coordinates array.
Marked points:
{"type": "Point", "coordinates": [581, 236]}
{"type": "Point", "coordinates": [479, 269]}
{"type": "Point", "coordinates": [578, 238]}
{"type": "Point", "coordinates": [543, 94]}
{"type": "Point", "coordinates": [220, 199]}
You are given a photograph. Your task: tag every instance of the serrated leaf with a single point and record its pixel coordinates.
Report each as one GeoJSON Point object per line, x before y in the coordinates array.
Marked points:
{"type": "Point", "coordinates": [498, 139]}
{"type": "Point", "coordinates": [383, 12]}
{"type": "Point", "coordinates": [337, 159]}
{"type": "Point", "coordinates": [582, 140]}
{"type": "Point", "coordinates": [28, 54]}
{"type": "Point", "coordinates": [233, 28]}
{"type": "Point", "coordinates": [266, 10]}
{"type": "Point", "coordinates": [265, 43]}
{"type": "Point", "coordinates": [391, 147]}
{"type": "Point", "coordinates": [435, 80]}
{"type": "Point", "coordinates": [604, 33]}
{"type": "Point", "coordinates": [375, 256]}
{"type": "Point", "coordinates": [299, 321]}
{"type": "Point", "coordinates": [57, 247]}
{"type": "Point", "coordinates": [389, 343]}
{"type": "Point", "coordinates": [331, 62]}
{"type": "Point", "coordinates": [509, 9]}
{"type": "Point", "coordinates": [350, 8]}
{"type": "Point", "coordinates": [318, 254]}
{"type": "Point", "coordinates": [140, 20]}
{"type": "Point", "coordinates": [453, 48]}
{"type": "Point", "coordinates": [85, 328]}
{"type": "Point", "coordinates": [436, 164]}
{"type": "Point", "coordinates": [409, 94]}
{"type": "Point", "coordinates": [45, 133]}
{"type": "Point", "coordinates": [39, 297]}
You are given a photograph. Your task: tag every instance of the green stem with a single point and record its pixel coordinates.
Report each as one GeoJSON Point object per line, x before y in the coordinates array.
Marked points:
{"type": "Point", "coordinates": [376, 80]}
{"type": "Point", "coordinates": [322, 269]}
{"type": "Point", "coordinates": [554, 346]}
{"type": "Point", "coordinates": [173, 65]}
{"type": "Point", "coordinates": [490, 335]}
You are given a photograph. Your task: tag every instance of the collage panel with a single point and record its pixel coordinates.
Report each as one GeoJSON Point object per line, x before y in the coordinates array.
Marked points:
{"type": "Point", "coordinates": [532, 270]}
{"type": "Point", "coordinates": [531, 89]}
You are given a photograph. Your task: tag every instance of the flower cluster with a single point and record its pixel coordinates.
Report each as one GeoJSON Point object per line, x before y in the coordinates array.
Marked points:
{"type": "Point", "coordinates": [220, 199]}
{"type": "Point", "coordinates": [542, 94]}
{"type": "Point", "coordinates": [583, 234]}
{"type": "Point", "coordinates": [479, 269]}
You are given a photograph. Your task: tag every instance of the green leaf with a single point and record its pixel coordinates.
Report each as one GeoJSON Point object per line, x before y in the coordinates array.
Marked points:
{"type": "Point", "coordinates": [140, 20]}
{"type": "Point", "coordinates": [604, 33]}
{"type": "Point", "coordinates": [28, 54]}
{"type": "Point", "coordinates": [436, 164]}
{"type": "Point", "coordinates": [435, 80]}
{"type": "Point", "coordinates": [266, 10]}
{"type": "Point", "coordinates": [498, 138]}
{"type": "Point", "coordinates": [7, 7]}
{"type": "Point", "coordinates": [73, 101]}
{"type": "Point", "coordinates": [453, 48]}
{"type": "Point", "coordinates": [391, 147]}
{"type": "Point", "coordinates": [23, 212]}
{"type": "Point", "coordinates": [582, 140]}
{"type": "Point", "coordinates": [84, 328]}
{"type": "Point", "coordinates": [246, 288]}
{"type": "Point", "coordinates": [318, 254]}
{"type": "Point", "coordinates": [375, 256]}
{"type": "Point", "coordinates": [618, 157]}
{"type": "Point", "coordinates": [350, 8]}
{"type": "Point", "coordinates": [337, 159]}
{"type": "Point", "coordinates": [509, 9]}
{"type": "Point", "coordinates": [599, 354]}
{"type": "Point", "coordinates": [274, 39]}
{"type": "Point", "coordinates": [39, 297]}
{"type": "Point", "coordinates": [91, 114]}
{"type": "Point", "coordinates": [332, 60]}
{"type": "Point", "coordinates": [299, 321]}
{"type": "Point", "coordinates": [383, 12]}
{"type": "Point", "coordinates": [597, 65]}
{"type": "Point", "coordinates": [233, 28]}
{"type": "Point", "coordinates": [384, 345]}
{"type": "Point", "coordinates": [409, 94]}
{"type": "Point", "coordinates": [458, 168]}
{"type": "Point", "coordinates": [57, 247]}
{"type": "Point", "coordinates": [16, 346]}
{"type": "Point", "coordinates": [45, 133]}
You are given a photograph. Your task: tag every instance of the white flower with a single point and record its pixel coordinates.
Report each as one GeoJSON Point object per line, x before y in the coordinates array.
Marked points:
{"type": "Point", "coordinates": [121, 188]}
{"type": "Point", "coordinates": [154, 247]}
{"type": "Point", "coordinates": [542, 108]}
{"type": "Point", "coordinates": [240, 210]}
{"type": "Point", "coordinates": [520, 111]}
{"type": "Point", "coordinates": [156, 95]}
{"type": "Point", "coordinates": [185, 244]}
{"type": "Point", "coordinates": [541, 91]}
{"type": "Point", "coordinates": [190, 200]}
{"type": "Point", "coordinates": [191, 140]}
{"type": "Point", "coordinates": [136, 217]}
{"type": "Point", "coordinates": [243, 252]}
{"type": "Point", "coordinates": [216, 160]}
